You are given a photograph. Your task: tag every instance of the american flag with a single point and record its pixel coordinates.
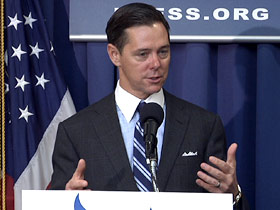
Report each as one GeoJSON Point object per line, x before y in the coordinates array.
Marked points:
{"type": "Point", "coordinates": [37, 99]}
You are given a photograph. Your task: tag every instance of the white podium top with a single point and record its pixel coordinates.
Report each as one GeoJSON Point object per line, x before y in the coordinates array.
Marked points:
{"type": "Point", "coordinates": [101, 200]}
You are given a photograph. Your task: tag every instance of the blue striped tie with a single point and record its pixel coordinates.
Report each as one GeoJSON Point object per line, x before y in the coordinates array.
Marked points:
{"type": "Point", "coordinates": [142, 174]}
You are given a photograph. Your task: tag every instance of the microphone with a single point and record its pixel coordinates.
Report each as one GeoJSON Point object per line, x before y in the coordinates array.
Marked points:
{"type": "Point", "coordinates": [151, 117]}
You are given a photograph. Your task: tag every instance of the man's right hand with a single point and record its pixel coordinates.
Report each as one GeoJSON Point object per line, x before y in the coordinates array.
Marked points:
{"type": "Point", "coordinates": [77, 181]}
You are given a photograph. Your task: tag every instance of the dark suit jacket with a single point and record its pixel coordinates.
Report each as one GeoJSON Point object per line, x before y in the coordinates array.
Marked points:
{"type": "Point", "coordinates": [94, 134]}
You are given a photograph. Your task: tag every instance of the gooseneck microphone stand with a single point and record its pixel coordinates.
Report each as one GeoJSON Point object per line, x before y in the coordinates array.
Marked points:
{"type": "Point", "coordinates": [153, 167]}
{"type": "Point", "coordinates": [152, 159]}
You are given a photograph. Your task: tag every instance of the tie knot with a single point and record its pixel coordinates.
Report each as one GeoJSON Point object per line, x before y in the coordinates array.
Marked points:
{"type": "Point", "coordinates": [140, 106]}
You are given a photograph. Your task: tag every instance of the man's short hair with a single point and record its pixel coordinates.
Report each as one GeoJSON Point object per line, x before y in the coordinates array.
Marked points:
{"type": "Point", "coordinates": [134, 14]}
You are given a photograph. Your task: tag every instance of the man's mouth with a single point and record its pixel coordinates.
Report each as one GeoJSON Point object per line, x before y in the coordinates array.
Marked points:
{"type": "Point", "coordinates": [155, 79]}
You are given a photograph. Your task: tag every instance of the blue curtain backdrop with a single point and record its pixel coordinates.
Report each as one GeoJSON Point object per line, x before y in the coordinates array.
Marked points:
{"type": "Point", "coordinates": [240, 82]}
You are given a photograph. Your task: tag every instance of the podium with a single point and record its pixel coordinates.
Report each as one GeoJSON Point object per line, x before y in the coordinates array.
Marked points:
{"type": "Point", "coordinates": [101, 200]}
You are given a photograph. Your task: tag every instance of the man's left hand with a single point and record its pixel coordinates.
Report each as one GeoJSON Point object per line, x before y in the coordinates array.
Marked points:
{"type": "Point", "coordinates": [222, 178]}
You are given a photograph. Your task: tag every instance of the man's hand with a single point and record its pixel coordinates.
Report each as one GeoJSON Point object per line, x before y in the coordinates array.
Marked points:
{"type": "Point", "coordinates": [77, 181]}
{"type": "Point", "coordinates": [220, 179]}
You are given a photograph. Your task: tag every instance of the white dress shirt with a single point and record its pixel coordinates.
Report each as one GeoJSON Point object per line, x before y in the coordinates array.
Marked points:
{"type": "Point", "coordinates": [126, 107]}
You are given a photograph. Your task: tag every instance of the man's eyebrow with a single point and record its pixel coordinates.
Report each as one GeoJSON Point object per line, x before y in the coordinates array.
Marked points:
{"type": "Point", "coordinates": [165, 46]}
{"type": "Point", "coordinates": [143, 49]}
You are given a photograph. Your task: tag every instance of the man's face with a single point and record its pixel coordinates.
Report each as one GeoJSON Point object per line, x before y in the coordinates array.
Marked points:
{"type": "Point", "coordinates": [144, 61]}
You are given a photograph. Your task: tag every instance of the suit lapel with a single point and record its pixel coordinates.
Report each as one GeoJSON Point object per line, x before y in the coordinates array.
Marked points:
{"type": "Point", "coordinates": [109, 132]}
{"type": "Point", "coordinates": [175, 128]}
{"type": "Point", "coordinates": [107, 125]}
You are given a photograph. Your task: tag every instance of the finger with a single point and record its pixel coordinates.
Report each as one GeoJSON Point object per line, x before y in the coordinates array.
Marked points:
{"type": "Point", "coordinates": [80, 170]}
{"type": "Point", "coordinates": [207, 186]}
{"type": "Point", "coordinates": [208, 179]}
{"type": "Point", "coordinates": [214, 172]}
{"type": "Point", "coordinates": [231, 155]}
{"type": "Point", "coordinates": [75, 184]}
{"type": "Point", "coordinates": [77, 181]}
{"type": "Point", "coordinates": [220, 164]}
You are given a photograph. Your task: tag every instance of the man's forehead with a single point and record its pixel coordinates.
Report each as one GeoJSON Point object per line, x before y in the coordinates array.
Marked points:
{"type": "Point", "coordinates": [142, 34]}
{"type": "Point", "coordinates": [143, 26]}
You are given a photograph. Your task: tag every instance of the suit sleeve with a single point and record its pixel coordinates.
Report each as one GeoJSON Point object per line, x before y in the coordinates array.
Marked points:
{"type": "Point", "coordinates": [217, 146]}
{"type": "Point", "coordinates": [217, 141]}
{"type": "Point", "coordinates": [65, 159]}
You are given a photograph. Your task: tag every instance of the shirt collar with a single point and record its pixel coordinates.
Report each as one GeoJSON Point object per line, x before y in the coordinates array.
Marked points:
{"type": "Point", "coordinates": [128, 103]}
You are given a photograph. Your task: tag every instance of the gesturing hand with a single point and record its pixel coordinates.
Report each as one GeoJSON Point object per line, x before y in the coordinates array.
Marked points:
{"type": "Point", "coordinates": [220, 179]}
{"type": "Point", "coordinates": [77, 181]}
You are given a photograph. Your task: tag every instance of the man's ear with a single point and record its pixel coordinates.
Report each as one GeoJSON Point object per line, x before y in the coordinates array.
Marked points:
{"type": "Point", "coordinates": [114, 54]}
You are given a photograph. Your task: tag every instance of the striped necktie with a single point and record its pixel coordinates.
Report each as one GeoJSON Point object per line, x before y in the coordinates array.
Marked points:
{"type": "Point", "coordinates": [142, 174]}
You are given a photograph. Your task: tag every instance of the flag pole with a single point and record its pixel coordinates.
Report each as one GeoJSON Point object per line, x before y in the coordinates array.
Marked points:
{"type": "Point", "coordinates": [2, 101]}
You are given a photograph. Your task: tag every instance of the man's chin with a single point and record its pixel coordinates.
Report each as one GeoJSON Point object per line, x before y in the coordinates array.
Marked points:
{"type": "Point", "coordinates": [154, 90]}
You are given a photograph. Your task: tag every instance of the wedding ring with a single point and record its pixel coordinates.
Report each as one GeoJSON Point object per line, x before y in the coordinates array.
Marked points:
{"type": "Point", "coordinates": [219, 184]}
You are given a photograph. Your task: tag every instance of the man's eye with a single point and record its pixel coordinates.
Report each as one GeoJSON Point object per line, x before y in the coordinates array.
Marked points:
{"type": "Point", "coordinates": [143, 54]}
{"type": "Point", "coordinates": [163, 53]}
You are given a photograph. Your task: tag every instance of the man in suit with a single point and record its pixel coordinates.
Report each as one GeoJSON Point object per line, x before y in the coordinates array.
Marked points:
{"type": "Point", "coordinates": [94, 148]}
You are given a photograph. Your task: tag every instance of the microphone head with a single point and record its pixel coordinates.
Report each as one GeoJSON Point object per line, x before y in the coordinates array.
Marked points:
{"type": "Point", "coordinates": [151, 111]}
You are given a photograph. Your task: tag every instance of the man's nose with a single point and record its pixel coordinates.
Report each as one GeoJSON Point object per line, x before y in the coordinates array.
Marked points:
{"type": "Point", "coordinates": [155, 61]}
